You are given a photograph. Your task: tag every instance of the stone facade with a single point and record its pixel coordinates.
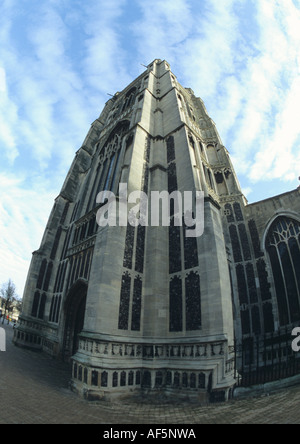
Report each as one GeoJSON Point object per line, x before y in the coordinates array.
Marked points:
{"type": "Point", "coordinates": [148, 309]}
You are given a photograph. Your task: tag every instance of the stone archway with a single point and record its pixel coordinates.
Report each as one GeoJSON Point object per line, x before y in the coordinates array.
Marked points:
{"type": "Point", "coordinates": [74, 318]}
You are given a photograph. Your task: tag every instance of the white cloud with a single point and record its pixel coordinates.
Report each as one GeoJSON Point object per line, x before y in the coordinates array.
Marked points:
{"type": "Point", "coordinates": [104, 60]}
{"type": "Point", "coordinates": [207, 55]}
{"type": "Point", "coordinates": [3, 86]}
{"type": "Point", "coordinates": [51, 94]}
{"type": "Point", "coordinates": [162, 28]}
{"type": "Point", "coordinates": [23, 216]}
{"type": "Point", "coordinates": [281, 154]}
{"type": "Point", "coordinates": [247, 191]}
{"type": "Point", "coordinates": [8, 107]}
{"type": "Point", "coordinates": [45, 107]}
{"type": "Point", "coordinates": [260, 98]}
{"type": "Point", "coordinates": [8, 120]}
{"type": "Point", "coordinates": [241, 57]}
{"type": "Point", "coordinates": [277, 156]}
{"type": "Point", "coordinates": [248, 80]}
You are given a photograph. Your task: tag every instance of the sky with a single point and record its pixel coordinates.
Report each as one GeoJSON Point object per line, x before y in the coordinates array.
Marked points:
{"type": "Point", "coordinates": [59, 60]}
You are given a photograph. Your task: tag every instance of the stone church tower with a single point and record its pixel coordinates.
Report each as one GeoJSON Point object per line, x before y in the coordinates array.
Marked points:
{"type": "Point", "coordinates": [148, 308]}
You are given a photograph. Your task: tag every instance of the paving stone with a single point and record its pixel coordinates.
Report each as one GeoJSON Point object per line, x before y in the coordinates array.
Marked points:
{"type": "Point", "coordinates": [34, 390]}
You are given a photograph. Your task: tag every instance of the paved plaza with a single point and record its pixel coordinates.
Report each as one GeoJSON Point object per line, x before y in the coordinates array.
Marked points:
{"type": "Point", "coordinates": [34, 390]}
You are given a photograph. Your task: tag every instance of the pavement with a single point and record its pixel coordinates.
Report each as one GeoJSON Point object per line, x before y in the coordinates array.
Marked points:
{"type": "Point", "coordinates": [34, 390]}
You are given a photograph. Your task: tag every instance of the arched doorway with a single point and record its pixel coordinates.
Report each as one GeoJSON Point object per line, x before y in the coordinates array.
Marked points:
{"type": "Point", "coordinates": [74, 318]}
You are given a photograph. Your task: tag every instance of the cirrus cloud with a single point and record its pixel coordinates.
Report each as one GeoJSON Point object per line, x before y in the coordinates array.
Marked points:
{"type": "Point", "coordinates": [60, 59]}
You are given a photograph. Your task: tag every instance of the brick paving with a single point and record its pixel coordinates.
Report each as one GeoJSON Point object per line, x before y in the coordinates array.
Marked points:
{"type": "Point", "coordinates": [34, 390]}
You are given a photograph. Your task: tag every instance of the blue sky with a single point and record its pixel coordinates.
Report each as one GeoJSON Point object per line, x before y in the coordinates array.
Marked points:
{"type": "Point", "coordinates": [60, 58]}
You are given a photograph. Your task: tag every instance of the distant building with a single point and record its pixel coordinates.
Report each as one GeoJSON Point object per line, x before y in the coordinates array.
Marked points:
{"type": "Point", "coordinates": [148, 308]}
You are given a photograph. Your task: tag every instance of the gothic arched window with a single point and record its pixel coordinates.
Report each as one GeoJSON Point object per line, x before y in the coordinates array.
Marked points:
{"type": "Point", "coordinates": [42, 306]}
{"type": "Point", "coordinates": [176, 304]}
{"type": "Point", "coordinates": [283, 246]}
{"type": "Point", "coordinates": [129, 99]}
{"type": "Point", "coordinates": [107, 174]}
{"type": "Point", "coordinates": [35, 305]}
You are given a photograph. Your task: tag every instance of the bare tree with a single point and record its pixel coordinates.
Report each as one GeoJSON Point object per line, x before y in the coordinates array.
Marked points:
{"type": "Point", "coordinates": [9, 297]}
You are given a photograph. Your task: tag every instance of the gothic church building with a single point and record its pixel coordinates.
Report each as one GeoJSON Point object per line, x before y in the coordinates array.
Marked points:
{"type": "Point", "coordinates": [147, 308]}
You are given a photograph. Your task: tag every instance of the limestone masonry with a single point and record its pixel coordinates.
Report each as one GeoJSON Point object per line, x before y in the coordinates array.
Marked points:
{"type": "Point", "coordinates": [147, 308]}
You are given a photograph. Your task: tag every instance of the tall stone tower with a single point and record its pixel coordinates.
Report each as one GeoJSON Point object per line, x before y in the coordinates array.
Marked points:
{"type": "Point", "coordinates": [143, 308]}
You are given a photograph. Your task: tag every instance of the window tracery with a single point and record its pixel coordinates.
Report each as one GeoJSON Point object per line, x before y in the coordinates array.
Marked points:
{"type": "Point", "coordinates": [283, 246]}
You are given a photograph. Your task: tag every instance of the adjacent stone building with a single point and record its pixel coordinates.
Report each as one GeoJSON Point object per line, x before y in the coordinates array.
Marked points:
{"type": "Point", "coordinates": [147, 308]}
